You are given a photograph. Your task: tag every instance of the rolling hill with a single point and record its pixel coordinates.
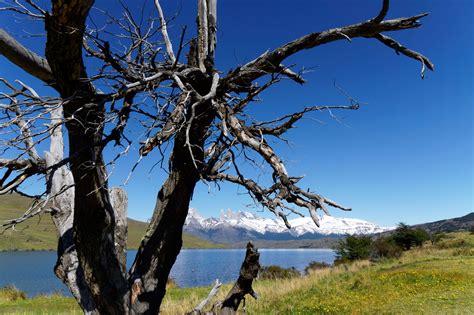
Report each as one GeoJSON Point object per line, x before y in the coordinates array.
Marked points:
{"type": "Point", "coordinates": [449, 225]}
{"type": "Point", "coordinates": [39, 233]}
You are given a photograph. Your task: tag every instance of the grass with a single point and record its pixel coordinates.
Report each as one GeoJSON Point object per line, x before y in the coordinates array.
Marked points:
{"type": "Point", "coordinates": [432, 280]}
{"type": "Point", "coordinates": [436, 279]}
{"type": "Point", "coordinates": [39, 233]}
{"type": "Point", "coordinates": [43, 304]}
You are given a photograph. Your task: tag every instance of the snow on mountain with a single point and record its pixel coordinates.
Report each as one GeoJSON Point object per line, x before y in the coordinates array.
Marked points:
{"type": "Point", "coordinates": [236, 226]}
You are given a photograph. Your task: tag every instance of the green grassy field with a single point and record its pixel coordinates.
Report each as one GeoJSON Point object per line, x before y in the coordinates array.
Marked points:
{"type": "Point", "coordinates": [39, 233]}
{"type": "Point", "coordinates": [431, 280]}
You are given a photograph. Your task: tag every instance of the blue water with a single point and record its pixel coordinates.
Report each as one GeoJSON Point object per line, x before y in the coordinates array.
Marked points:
{"type": "Point", "coordinates": [32, 272]}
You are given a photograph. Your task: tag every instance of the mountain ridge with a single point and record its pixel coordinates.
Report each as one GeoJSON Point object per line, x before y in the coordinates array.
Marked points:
{"type": "Point", "coordinates": [232, 227]}
{"type": "Point", "coordinates": [464, 222]}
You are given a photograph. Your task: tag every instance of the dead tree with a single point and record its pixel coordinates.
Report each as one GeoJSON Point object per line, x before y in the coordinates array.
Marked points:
{"type": "Point", "coordinates": [184, 102]}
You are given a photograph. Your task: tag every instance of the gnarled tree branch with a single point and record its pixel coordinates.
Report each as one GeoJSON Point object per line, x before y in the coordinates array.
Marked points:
{"type": "Point", "coordinates": [25, 58]}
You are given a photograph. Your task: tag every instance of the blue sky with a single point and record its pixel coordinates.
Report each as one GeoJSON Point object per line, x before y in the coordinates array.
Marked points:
{"type": "Point", "coordinates": [405, 156]}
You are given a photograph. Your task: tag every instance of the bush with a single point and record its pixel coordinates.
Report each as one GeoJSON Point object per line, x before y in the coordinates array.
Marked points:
{"type": "Point", "coordinates": [456, 243]}
{"type": "Point", "coordinates": [385, 247]}
{"type": "Point", "coordinates": [11, 293]}
{"type": "Point", "coordinates": [407, 237]}
{"type": "Point", "coordinates": [435, 238]}
{"type": "Point", "coordinates": [316, 265]}
{"type": "Point", "coordinates": [352, 248]}
{"type": "Point", "coordinates": [276, 272]}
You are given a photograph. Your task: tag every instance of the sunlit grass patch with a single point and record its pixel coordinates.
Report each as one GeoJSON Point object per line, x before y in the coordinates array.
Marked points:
{"type": "Point", "coordinates": [14, 301]}
{"type": "Point", "coordinates": [440, 285]}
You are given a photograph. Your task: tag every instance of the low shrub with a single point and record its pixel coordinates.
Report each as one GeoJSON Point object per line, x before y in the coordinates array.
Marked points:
{"type": "Point", "coordinates": [277, 272]}
{"type": "Point", "coordinates": [341, 261]}
{"type": "Point", "coordinates": [437, 237]}
{"type": "Point", "coordinates": [11, 293]}
{"type": "Point", "coordinates": [353, 247]}
{"type": "Point", "coordinates": [316, 265]}
{"type": "Point", "coordinates": [456, 243]}
{"type": "Point", "coordinates": [385, 247]}
{"type": "Point", "coordinates": [464, 251]}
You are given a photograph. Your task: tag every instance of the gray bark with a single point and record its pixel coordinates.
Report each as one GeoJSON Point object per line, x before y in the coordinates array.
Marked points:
{"type": "Point", "coordinates": [243, 285]}
{"type": "Point", "coordinates": [25, 58]}
{"type": "Point", "coordinates": [61, 185]}
{"type": "Point", "coordinates": [119, 200]}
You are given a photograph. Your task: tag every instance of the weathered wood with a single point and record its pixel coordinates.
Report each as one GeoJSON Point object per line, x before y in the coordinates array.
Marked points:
{"type": "Point", "coordinates": [119, 201]}
{"type": "Point", "coordinates": [94, 217]}
{"type": "Point", "coordinates": [61, 183]}
{"type": "Point", "coordinates": [243, 285]}
{"type": "Point", "coordinates": [212, 28]}
{"type": "Point", "coordinates": [215, 289]}
{"type": "Point", "coordinates": [203, 34]}
{"type": "Point", "coordinates": [24, 58]}
{"type": "Point", "coordinates": [163, 240]}
{"type": "Point", "coordinates": [164, 32]}
{"type": "Point", "coordinates": [269, 62]}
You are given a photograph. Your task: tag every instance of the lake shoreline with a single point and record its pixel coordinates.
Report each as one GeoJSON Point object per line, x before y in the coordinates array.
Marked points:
{"type": "Point", "coordinates": [33, 274]}
{"type": "Point", "coordinates": [225, 246]}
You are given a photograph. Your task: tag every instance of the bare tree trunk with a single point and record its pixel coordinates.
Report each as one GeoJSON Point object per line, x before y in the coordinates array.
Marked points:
{"type": "Point", "coordinates": [61, 187]}
{"type": "Point", "coordinates": [119, 200]}
{"type": "Point", "coordinates": [94, 217]}
{"type": "Point", "coordinates": [61, 183]}
{"type": "Point", "coordinates": [163, 240]}
{"type": "Point", "coordinates": [243, 285]}
{"type": "Point", "coordinates": [95, 242]}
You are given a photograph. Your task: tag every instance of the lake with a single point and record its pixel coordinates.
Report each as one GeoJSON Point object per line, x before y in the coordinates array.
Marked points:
{"type": "Point", "coordinates": [32, 272]}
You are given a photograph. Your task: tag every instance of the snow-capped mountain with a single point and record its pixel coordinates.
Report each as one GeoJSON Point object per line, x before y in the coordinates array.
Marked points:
{"type": "Point", "coordinates": [242, 226]}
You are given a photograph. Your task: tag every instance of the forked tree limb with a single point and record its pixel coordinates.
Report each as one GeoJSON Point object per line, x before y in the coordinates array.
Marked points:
{"type": "Point", "coordinates": [399, 48]}
{"type": "Point", "coordinates": [65, 27]}
{"type": "Point", "coordinates": [241, 78]}
{"type": "Point", "coordinates": [291, 119]}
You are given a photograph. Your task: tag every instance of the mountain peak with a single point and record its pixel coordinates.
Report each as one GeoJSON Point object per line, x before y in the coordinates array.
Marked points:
{"type": "Point", "coordinates": [193, 217]}
{"type": "Point", "coordinates": [237, 215]}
